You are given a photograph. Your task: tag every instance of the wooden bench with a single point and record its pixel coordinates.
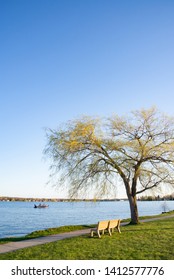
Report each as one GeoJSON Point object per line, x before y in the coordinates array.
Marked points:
{"type": "Point", "coordinates": [114, 224]}
{"type": "Point", "coordinates": [101, 227]}
{"type": "Point", "coordinates": [106, 225]}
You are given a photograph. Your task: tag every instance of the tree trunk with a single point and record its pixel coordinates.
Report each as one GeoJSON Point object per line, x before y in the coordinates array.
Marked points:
{"type": "Point", "coordinates": [131, 194]}
{"type": "Point", "coordinates": [133, 209]}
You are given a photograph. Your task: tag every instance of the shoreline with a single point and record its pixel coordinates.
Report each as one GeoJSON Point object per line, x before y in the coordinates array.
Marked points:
{"type": "Point", "coordinates": [40, 240]}
{"type": "Point", "coordinates": [31, 199]}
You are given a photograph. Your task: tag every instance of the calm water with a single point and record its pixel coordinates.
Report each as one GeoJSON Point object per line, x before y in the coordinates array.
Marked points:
{"type": "Point", "coordinates": [20, 218]}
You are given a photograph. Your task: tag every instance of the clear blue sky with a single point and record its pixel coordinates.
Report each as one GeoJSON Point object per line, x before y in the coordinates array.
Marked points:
{"type": "Point", "coordinates": [60, 59]}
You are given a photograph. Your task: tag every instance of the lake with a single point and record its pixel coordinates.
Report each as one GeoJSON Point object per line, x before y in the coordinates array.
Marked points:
{"type": "Point", "coordinates": [21, 218]}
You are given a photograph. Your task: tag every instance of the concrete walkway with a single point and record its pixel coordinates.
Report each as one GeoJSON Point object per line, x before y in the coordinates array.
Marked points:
{"type": "Point", "coordinates": [13, 246]}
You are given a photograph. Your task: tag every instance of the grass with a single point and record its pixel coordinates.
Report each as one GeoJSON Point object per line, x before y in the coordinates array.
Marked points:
{"type": "Point", "coordinates": [45, 232]}
{"type": "Point", "coordinates": [166, 214]}
{"type": "Point", "coordinates": [147, 241]}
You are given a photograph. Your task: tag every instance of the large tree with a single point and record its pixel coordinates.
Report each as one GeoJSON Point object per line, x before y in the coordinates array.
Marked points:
{"type": "Point", "coordinates": [92, 153]}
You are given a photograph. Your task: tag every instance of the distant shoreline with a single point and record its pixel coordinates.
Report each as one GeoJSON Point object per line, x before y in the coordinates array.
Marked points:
{"type": "Point", "coordinates": [31, 199]}
{"type": "Point", "coordinates": [11, 199]}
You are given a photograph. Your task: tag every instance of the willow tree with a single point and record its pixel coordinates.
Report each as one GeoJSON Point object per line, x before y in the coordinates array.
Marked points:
{"type": "Point", "coordinates": [91, 153]}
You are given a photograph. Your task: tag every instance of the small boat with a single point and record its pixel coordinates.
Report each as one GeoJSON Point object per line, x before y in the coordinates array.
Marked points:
{"type": "Point", "coordinates": [41, 206]}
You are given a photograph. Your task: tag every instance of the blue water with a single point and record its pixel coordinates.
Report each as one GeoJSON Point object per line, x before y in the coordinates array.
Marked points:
{"type": "Point", "coordinates": [20, 218]}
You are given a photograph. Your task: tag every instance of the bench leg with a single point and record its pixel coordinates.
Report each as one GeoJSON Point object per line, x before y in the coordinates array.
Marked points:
{"type": "Point", "coordinates": [118, 228]}
{"type": "Point", "coordinates": [98, 232]}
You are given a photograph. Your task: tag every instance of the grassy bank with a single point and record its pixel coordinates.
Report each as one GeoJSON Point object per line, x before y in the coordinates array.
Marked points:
{"type": "Point", "coordinates": [46, 232]}
{"type": "Point", "coordinates": [146, 241]}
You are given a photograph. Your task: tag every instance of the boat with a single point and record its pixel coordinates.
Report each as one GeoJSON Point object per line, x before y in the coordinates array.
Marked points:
{"type": "Point", "coordinates": [41, 206]}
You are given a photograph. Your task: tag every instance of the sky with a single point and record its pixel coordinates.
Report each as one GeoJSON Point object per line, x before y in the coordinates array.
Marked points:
{"type": "Point", "coordinates": [60, 59]}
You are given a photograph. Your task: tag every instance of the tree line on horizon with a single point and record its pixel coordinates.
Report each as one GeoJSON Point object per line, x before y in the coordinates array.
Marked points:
{"type": "Point", "coordinates": [142, 198]}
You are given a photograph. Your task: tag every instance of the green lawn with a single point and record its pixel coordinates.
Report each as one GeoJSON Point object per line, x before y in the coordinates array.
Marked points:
{"type": "Point", "coordinates": [146, 241]}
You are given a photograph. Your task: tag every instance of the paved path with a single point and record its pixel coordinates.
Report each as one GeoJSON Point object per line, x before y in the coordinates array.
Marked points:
{"type": "Point", "coordinates": [13, 246]}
